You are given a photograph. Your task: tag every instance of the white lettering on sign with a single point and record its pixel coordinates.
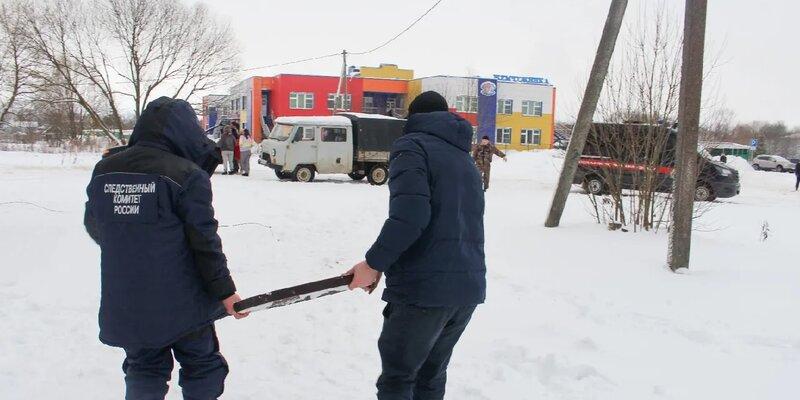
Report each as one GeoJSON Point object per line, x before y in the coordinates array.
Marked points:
{"type": "Point", "coordinates": [126, 188]}
{"type": "Point", "coordinates": [128, 197]}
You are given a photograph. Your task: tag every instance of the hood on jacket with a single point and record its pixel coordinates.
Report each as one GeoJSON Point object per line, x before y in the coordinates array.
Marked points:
{"type": "Point", "coordinates": [444, 125]}
{"type": "Point", "coordinates": [172, 125]}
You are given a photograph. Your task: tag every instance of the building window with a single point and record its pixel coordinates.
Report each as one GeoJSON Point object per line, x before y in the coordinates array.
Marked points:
{"type": "Point", "coordinates": [467, 104]}
{"type": "Point", "coordinates": [503, 136]}
{"type": "Point", "coordinates": [368, 102]}
{"type": "Point", "coordinates": [334, 102]}
{"type": "Point", "coordinates": [505, 106]}
{"type": "Point", "coordinates": [334, 134]}
{"type": "Point", "coordinates": [474, 134]}
{"type": "Point", "coordinates": [531, 137]}
{"type": "Point", "coordinates": [301, 100]}
{"type": "Point", "coordinates": [532, 108]}
{"type": "Point", "coordinates": [244, 102]}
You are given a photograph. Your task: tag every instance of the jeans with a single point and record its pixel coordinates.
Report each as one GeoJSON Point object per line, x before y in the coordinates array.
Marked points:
{"type": "Point", "coordinates": [797, 184]}
{"type": "Point", "coordinates": [415, 346]}
{"type": "Point", "coordinates": [245, 161]}
{"type": "Point", "coordinates": [227, 160]}
{"type": "Point", "coordinates": [202, 374]}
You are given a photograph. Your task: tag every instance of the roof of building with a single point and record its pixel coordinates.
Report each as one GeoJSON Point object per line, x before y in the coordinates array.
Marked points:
{"type": "Point", "coordinates": [334, 120]}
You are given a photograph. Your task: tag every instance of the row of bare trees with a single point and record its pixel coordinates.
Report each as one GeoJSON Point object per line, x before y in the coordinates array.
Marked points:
{"type": "Point", "coordinates": [102, 61]}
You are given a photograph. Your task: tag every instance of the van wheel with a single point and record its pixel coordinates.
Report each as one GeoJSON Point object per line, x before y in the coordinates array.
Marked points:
{"type": "Point", "coordinates": [703, 193]}
{"type": "Point", "coordinates": [779, 168]}
{"type": "Point", "coordinates": [303, 173]}
{"type": "Point", "coordinates": [283, 175]}
{"type": "Point", "coordinates": [378, 175]}
{"type": "Point", "coordinates": [756, 167]}
{"type": "Point", "coordinates": [356, 176]}
{"type": "Point", "coordinates": [594, 185]}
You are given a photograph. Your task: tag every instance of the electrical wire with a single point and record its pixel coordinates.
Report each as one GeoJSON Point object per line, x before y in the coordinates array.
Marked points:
{"type": "Point", "coordinates": [302, 60]}
{"type": "Point", "coordinates": [408, 28]}
{"type": "Point", "coordinates": [360, 53]}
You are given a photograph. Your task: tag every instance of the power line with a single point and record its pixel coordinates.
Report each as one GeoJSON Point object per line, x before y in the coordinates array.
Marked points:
{"type": "Point", "coordinates": [337, 54]}
{"type": "Point", "coordinates": [302, 60]}
{"type": "Point", "coordinates": [401, 32]}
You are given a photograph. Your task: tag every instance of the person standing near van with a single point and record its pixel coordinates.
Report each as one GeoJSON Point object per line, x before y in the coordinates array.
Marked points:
{"type": "Point", "coordinates": [164, 278]}
{"type": "Point", "coordinates": [797, 175]}
{"type": "Point", "coordinates": [227, 144]}
{"type": "Point", "coordinates": [245, 145]}
{"type": "Point", "coordinates": [431, 249]}
{"type": "Point", "coordinates": [236, 150]}
{"type": "Point", "coordinates": [483, 154]}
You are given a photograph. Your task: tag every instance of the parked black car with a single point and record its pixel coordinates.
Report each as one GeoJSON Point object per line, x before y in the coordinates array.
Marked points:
{"type": "Point", "coordinates": [623, 154]}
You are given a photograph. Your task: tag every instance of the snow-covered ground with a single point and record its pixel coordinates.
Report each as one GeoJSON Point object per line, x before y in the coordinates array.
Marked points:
{"type": "Point", "coordinates": [577, 312]}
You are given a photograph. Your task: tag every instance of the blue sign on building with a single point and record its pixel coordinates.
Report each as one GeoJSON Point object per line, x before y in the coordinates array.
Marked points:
{"type": "Point", "coordinates": [754, 143]}
{"type": "Point", "coordinates": [487, 108]}
{"type": "Point", "coordinates": [530, 80]}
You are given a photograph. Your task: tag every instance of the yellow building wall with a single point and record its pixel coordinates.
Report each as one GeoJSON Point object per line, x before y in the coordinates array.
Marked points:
{"type": "Point", "coordinates": [414, 90]}
{"type": "Point", "coordinates": [517, 122]}
{"type": "Point", "coordinates": [387, 72]}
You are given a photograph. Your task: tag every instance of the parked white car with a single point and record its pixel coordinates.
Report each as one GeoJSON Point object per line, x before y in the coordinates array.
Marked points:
{"type": "Point", "coordinates": [773, 163]}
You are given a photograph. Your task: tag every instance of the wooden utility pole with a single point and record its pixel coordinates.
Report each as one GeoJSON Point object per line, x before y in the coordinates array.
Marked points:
{"type": "Point", "coordinates": [694, 33]}
{"type": "Point", "coordinates": [588, 106]}
{"type": "Point", "coordinates": [342, 87]}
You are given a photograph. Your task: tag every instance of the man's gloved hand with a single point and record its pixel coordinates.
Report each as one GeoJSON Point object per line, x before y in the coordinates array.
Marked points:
{"type": "Point", "coordinates": [364, 277]}
{"type": "Point", "coordinates": [228, 303]}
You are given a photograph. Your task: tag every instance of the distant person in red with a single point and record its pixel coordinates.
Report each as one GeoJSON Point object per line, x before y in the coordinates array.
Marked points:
{"type": "Point", "coordinates": [237, 152]}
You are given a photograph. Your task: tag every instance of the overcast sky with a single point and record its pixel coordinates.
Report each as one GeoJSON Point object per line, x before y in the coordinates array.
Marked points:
{"type": "Point", "coordinates": [759, 78]}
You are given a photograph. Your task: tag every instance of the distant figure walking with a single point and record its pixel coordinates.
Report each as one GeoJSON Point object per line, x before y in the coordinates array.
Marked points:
{"type": "Point", "coordinates": [245, 147]}
{"type": "Point", "coordinates": [236, 155]}
{"type": "Point", "coordinates": [797, 175]}
{"type": "Point", "coordinates": [226, 144]}
{"type": "Point", "coordinates": [723, 158]}
{"type": "Point", "coordinates": [482, 154]}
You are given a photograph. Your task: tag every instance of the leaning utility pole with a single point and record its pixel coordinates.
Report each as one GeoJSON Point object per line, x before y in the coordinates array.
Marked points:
{"type": "Point", "coordinates": [588, 106]}
{"type": "Point", "coordinates": [694, 32]}
{"type": "Point", "coordinates": [342, 87]}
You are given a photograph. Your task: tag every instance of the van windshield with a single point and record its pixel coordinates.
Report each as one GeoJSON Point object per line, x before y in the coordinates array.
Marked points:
{"type": "Point", "coordinates": [281, 132]}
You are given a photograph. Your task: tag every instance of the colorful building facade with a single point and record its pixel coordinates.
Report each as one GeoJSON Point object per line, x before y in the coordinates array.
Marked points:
{"type": "Point", "coordinates": [516, 113]}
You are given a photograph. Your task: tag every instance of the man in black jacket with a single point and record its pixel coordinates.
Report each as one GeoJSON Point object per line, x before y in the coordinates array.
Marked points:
{"type": "Point", "coordinates": [431, 249]}
{"type": "Point", "coordinates": [164, 277]}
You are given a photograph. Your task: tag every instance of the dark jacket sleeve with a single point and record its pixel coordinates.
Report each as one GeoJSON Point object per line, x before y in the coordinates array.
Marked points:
{"type": "Point", "coordinates": [89, 221]}
{"type": "Point", "coordinates": [409, 204]}
{"type": "Point", "coordinates": [197, 214]}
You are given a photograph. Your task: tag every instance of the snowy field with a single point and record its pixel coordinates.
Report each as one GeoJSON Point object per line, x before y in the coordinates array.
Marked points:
{"type": "Point", "coordinates": [577, 312]}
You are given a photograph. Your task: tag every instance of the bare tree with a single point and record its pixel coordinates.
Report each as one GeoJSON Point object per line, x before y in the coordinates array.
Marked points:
{"type": "Point", "coordinates": [103, 54]}
{"type": "Point", "coordinates": [169, 48]}
{"type": "Point", "coordinates": [70, 59]}
{"type": "Point", "coordinates": [643, 87]}
{"type": "Point", "coordinates": [15, 59]}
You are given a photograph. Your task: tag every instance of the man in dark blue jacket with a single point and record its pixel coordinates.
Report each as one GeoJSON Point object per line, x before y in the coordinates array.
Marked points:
{"type": "Point", "coordinates": [164, 277]}
{"type": "Point", "coordinates": [431, 249]}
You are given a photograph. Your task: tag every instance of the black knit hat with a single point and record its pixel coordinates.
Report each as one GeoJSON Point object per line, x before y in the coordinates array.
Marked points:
{"type": "Point", "coordinates": [426, 102]}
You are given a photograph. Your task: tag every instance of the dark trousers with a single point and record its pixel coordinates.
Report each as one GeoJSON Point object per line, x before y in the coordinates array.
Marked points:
{"type": "Point", "coordinates": [202, 374]}
{"type": "Point", "coordinates": [415, 346]}
{"type": "Point", "coordinates": [797, 184]}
